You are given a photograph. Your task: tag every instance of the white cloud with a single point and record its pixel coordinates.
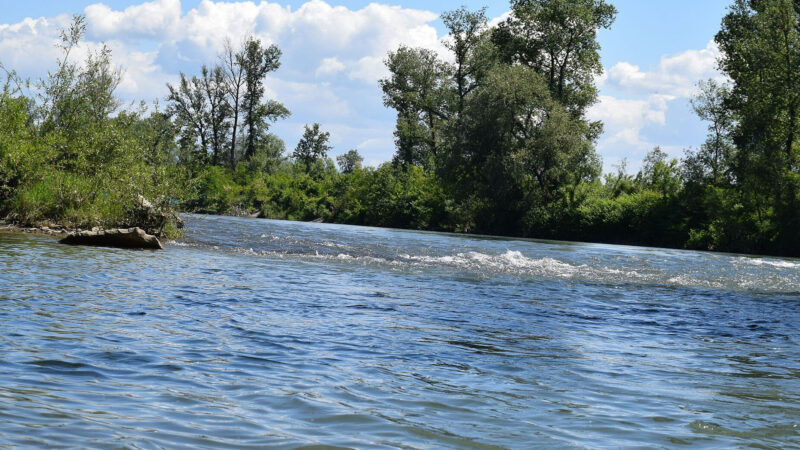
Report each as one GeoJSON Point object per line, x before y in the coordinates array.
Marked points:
{"type": "Point", "coordinates": [155, 20]}
{"type": "Point", "coordinates": [141, 74]}
{"type": "Point", "coordinates": [369, 69]}
{"type": "Point", "coordinates": [375, 144]}
{"type": "Point", "coordinates": [318, 100]}
{"type": "Point", "coordinates": [635, 105]}
{"type": "Point", "coordinates": [499, 19]}
{"type": "Point", "coordinates": [624, 120]}
{"type": "Point", "coordinates": [329, 66]}
{"type": "Point", "coordinates": [27, 45]}
{"type": "Point", "coordinates": [675, 75]}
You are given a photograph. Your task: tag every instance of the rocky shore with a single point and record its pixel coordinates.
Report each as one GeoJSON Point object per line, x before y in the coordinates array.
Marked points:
{"type": "Point", "coordinates": [130, 238]}
{"type": "Point", "coordinates": [50, 230]}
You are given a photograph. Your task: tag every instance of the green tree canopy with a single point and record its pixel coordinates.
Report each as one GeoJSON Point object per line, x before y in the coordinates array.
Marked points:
{"type": "Point", "coordinates": [350, 161]}
{"type": "Point", "coordinates": [313, 146]}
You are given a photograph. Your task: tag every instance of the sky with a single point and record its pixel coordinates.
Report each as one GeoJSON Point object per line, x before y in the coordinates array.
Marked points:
{"type": "Point", "coordinates": [333, 52]}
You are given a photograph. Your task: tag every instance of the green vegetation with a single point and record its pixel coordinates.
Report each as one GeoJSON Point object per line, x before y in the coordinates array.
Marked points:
{"type": "Point", "coordinates": [70, 155]}
{"type": "Point", "coordinates": [492, 139]}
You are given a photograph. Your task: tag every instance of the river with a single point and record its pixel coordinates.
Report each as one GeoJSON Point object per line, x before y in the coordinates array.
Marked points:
{"type": "Point", "coordinates": [254, 333]}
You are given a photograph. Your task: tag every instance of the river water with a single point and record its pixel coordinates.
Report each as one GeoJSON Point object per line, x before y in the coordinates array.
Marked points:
{"type": "Point", "coordinates": [252, 333]}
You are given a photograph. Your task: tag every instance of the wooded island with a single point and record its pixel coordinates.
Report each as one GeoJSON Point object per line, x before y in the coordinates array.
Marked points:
{"type": "Point", "coordinates": [493, 139]}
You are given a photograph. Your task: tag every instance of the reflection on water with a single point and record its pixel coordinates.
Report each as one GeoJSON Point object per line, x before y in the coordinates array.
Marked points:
{"type": "Point", "coordinates": [253, 333]}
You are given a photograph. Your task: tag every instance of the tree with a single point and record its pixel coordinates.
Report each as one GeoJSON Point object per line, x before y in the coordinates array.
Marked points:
{"type": "Point", "coordinates": [659, 173]}
{"type": "Point", "coordinates": [313, 146]}
{"type": "Point", "coordinates": [350, 161]}
{"type": "Point", "coordinates": [234, 74]}
{"type": "Point", "coordinates": [713, 161]}
{"type": "Point", "coordinates": [219, 110]}
{"type": "Point", "coordinates": [418, 89]}
{"type": "Point", "coordinates": [466, 31]}
{"type": "Point", "coordinates": [257, 61]}
{"type": "Point", "coordinates": [188, 104]}
{"type": "Point", "coordinates": [77, 100]}
{"type": "Point", "coordinates": [209, 108]}
{"type": "Point", "coordinates": [523, 150]}
{"type": "Point", "coordinates": [74, 96]}
{"type": "Point", "coordinates": [760, 46]}
{"type": "Point", "coordinates": [503, 125]}
{"type": "Point", "coordinates": [558, 39]}
{"type": "Point", "coordinates": [268, 155]}
{"type": "Point", "coordinates": [157, 134]}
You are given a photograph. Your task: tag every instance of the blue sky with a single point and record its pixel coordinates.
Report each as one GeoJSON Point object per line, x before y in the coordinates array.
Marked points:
{"type": "Point", "coordinates": [654, 54]}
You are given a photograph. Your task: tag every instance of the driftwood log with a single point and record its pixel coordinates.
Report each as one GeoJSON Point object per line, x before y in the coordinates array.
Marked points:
{"type": "Point", "coordinates": [133, 238]}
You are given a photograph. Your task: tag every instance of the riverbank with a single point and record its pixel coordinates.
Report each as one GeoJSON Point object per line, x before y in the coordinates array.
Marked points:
{"type": "Point", "coordinates": [47, 230]}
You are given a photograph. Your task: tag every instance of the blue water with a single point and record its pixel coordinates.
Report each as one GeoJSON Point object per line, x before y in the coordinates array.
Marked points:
{"type": "Point", "coordinates": [252, 333]}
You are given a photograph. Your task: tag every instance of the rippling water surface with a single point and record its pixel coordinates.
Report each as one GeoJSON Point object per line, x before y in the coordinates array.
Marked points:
{"type": "Point", "coordinates": [253, 333]}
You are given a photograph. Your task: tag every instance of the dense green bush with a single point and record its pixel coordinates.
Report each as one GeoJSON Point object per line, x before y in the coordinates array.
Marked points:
{"type": "Point", "coordinates": [72, 157]}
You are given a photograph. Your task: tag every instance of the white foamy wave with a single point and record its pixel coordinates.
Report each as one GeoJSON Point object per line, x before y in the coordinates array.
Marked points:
{"type": "Point", "coordinates": [511, 262]}
{"type": "Point", "coordinates": [686, 280]}
{"type": "Point", "coordinates": [335, 245]}
{"type": "Point", "coordinates": [752, 274]}
{"type": "Point", "coordinates": [768, 262]}
{"type": "Point", "coordinates": [180, 243]}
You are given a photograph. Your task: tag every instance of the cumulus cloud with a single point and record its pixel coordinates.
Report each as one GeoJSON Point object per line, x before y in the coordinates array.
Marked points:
{"type": "Point", "coordinates": [142, 77]}
{"type": "Point", "coordinates": [24, 46]}
{"type": "Point", "coordinates": [636, 103]}
{"type": "Point", "coordinates": [330, 66]}
{"type": "Point", "coordinates": [155, 20]}
{"type": "Point", "coordinates": [499, 19]}
{"type": "Point", "coordinates": [624, 120]}
{"type": "Point", "coordinates": [315, 36]}
{"type": "Point", "coordinates": [675, 75]}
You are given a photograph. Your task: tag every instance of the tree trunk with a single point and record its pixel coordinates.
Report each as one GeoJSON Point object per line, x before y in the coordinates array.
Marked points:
{"type": "Point", "coordinates": [235, 127]}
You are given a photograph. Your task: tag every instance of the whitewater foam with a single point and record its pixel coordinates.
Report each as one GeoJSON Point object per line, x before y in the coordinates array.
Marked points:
{"type": "Point", "coordinates": [768, 262]}
{"type": "Point", "coordinates": [739, 272]}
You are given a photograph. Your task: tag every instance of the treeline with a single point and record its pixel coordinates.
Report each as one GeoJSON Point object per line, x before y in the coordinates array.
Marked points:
{"type": "Point", "coordinates": [493, 138]}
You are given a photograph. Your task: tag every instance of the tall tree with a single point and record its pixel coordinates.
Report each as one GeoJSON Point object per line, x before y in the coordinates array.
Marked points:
{"type": "Point", "coordinates": [465, 36]}
{"type": "Point", "coordinates": [189, 105]}
{"type": "Point", "coordinates": [505, 121]}
{"type": "Point", "coordinates": [350, 161]}
{"type": "Point", "coordinates": [313, 146]}
{"type": "Point", "coordinates": [257, 62]}
{"type": "Point", "coordinates": [760, 45]}
{"type": "Point", "coordinates": [75, 94]}
{"type": "Point", "coordinates": [219, 110]}
{"type": "Point", "coordinates": [418, 88]}
{"type": "Point", "coordinates": [235, 85]}
{"type": "Point", "coordinates": [713, 161]}
{"type": "Point", "coordinates": [522, 149]}
{"type": "Point", "coordinates": [558, 38]}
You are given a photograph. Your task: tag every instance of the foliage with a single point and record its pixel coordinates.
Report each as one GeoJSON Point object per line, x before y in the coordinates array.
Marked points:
{"type": "Point", "coordinates": [350, 161]}
{"type": "Point", "coordinates": [502, 126]}
{"type": "Point", "coordinates": [313, 146]}
{"type": "Point", "coordinates": [494, 138]}
{"type": "Point", "coordinates": [66, 157]}
{"type": "Point", "coordinates": [226, 100]}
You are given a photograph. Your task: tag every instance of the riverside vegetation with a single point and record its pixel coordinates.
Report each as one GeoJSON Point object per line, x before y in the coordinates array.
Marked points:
{"type": "Point", "coordinates": [493, 140]}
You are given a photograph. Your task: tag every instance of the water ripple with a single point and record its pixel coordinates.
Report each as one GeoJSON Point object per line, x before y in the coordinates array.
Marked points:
{"type": "Point", "coordinates": [253, 334]}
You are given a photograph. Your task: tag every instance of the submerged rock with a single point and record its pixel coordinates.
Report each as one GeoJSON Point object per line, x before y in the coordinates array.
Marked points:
{"type": "Point", "coordinates": [119, 238]}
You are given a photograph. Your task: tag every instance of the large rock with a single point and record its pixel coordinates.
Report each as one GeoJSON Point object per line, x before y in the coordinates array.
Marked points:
{"type": "Point", "coordinates": [119, 238]}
